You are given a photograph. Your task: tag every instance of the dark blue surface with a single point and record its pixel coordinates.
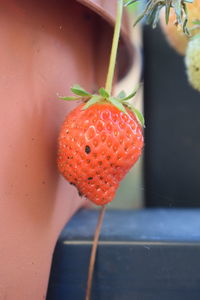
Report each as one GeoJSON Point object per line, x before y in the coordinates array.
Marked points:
{"type": "Point", "coordinates": [142, 255]}
{"type": "Point", "coordinates": [145, 225]}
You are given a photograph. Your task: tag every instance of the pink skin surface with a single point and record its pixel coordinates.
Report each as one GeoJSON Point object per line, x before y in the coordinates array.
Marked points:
{"type": "Point", "coordinates": [45, 47]}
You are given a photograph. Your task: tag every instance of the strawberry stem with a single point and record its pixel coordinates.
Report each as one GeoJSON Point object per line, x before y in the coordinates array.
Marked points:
{"type": "Point", "coordinates": [115, 42]}
{"type": "Point", "coordinates": [108, 90]}
{"type": "Point", "coordinates": [93, 254]}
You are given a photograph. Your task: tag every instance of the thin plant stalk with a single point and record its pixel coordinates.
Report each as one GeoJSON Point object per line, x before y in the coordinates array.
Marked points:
{"type": "Point", "coordinates": [115, 43]}
{"type": "Point", "coordinates": [93, 253]}
{"type": "Point", "coordinates": [108, 87]}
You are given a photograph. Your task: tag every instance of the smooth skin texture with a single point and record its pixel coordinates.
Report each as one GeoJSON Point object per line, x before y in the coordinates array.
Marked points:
{"type": "Point", "coordinates": [45, 47]}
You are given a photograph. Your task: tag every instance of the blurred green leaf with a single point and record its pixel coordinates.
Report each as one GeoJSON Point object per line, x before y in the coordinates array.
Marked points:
{"type": "Point", "coordinates": [139, 115]}
{"type": "Point", "coordinates": [117, 104]}
{"type": "Point", "coordinates": [167, 10]}
{"type": "Point", "coordinates": [78, 90]}
{"type": "Point", "coordinates": [121, 95]}
{"type": "Point", "coordinates": [69, 98]}
{"type": "Point", "coordinates": [133, 93]}
{"type": "Point", "coordinates": [178, 10]}
{"type": "Point", "coordinates": [129, 2]}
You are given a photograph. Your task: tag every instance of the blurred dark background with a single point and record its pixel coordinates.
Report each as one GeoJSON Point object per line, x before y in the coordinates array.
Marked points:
{"type": "Point", "coordinates": [172, 151]}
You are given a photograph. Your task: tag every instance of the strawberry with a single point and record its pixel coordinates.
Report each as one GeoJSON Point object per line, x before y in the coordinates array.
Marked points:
{"type": "Point", "coordinates": [175, 36]}
{"type": "Point", "coordinates": [192, 61]}
{"type": "Point", "coordinates": [98, 144]}
{"type": "Point", "coordinates": [153, 8]}
{"type": "Point", "coordinates": [101, 139]}
{"type": "Point", "coordinates": [177, 19]}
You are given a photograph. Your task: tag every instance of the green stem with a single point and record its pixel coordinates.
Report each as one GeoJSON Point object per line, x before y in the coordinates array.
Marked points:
{"type": "Point", "coordinates": [115, 42]}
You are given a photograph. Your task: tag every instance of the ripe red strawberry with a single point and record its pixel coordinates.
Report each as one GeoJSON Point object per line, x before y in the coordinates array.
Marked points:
{"type": "Point", "coordinates": [97, 147]}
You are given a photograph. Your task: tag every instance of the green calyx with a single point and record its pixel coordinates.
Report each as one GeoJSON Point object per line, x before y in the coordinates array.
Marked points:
{"type": "Point", "coordinates": [120, 101]}
{"type": "Point", "coordinates": [152, 12]}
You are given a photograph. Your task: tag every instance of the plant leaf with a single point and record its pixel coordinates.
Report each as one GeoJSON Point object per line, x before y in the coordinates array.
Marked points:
{"type": "Point", "coordinates": [68, 98]}
{"type": "Point", "coordinates": [130, 2]}
{"type": "Point", "coordinates": [138, 114]}
{"type": "Point", "coordinates": [103, 93]}
{"type": "Point", "coordinates": [94, 99]}
{"type": "Point", "coordinates": [167, 10]}
{"type": "Point", "coordinates": [133, 93]}
{"type": "Point", "coordinates": [156, 16]}
{"type": "Point", "coordinates": [121, 95]}
{"type": "Point", "coordinates": [153, 16]}
{"type": "Point", "coordinates": [78, 90]}
{"type": "Point", "coordinates": [176, 4]}
{"type": "Point", "coordinates": [152, 11]}
{"type": "Point", "coordinates": [147, 10]}
{"type": "Point", "coordinates": [185, 20]}
{"type": "Point", "coordinates": [138, 19]}
{"type": "Point", "coordinates": [117, 104]}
